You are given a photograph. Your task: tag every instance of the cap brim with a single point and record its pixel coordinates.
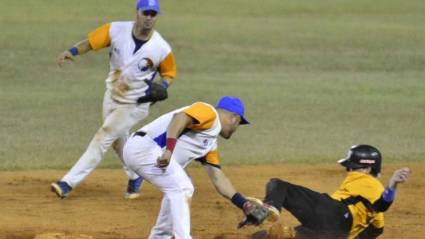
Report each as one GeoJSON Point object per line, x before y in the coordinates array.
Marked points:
{"type": "Point", "coordinates": [348, 164]}
{"type": "Point", "coordinates": [244, 121]}
{"type": "Point", "coordinates": [343, 162]}
{"type": "Point", "coordinates": [148, 9]}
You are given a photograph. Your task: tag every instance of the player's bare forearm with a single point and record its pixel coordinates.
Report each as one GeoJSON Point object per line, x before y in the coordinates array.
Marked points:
{"type": "Point", "coordinates": [83, 46]}
{"type": "Point", "coordinates": [80, 48]}
{"type": "Point", "coordinates": [221, 183]}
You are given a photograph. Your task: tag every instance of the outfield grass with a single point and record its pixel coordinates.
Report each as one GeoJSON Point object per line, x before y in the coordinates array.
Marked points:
{"type": "Point", "coordinates": [316, 76]}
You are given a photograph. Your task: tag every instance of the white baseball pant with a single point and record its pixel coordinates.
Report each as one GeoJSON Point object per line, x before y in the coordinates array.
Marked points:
{"type": "Point", "coordinates": [118, 119]}
{"type": "Point", "coordinates": [140, 155]}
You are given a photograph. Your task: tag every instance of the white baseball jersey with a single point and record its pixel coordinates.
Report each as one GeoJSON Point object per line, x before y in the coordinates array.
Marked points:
{"type": "Point", "coordinates": [129, 68]}
{"type": "Point", "coordinates": [198, 142]}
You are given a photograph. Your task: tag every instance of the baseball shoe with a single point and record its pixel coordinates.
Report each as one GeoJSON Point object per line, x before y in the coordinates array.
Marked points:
{"type": "Point", "coordinates": [61, 188]}
{"type": "Point", "coordinates": [133, 188]}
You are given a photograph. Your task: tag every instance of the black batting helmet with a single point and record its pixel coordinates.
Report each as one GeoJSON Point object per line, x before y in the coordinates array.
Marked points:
{"type": "Point", "coordinates": [363, 156]}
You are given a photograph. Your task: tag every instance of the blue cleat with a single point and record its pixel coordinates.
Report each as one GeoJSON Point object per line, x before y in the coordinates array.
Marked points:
{"type": "Point", "coordinates": [61, 188]}
{"type": "Point", "coordinates": [133, 188]}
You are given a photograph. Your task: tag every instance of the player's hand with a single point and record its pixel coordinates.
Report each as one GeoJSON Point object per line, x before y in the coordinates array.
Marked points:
{"type": "Point", "coordinates": [66, 55]}
{"type": "Point", "coordinates": [256, 212]}
{"type": "Point", "coordinates": [399, 176]}
{"type": "Point", "coordinates": [164, 160]}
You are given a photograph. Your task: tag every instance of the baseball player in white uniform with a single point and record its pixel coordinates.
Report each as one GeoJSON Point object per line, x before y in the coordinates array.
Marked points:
{"type": "Point", "coordinates": [161, 150]}
{"type": "Point", "coordinates": [137, 54]}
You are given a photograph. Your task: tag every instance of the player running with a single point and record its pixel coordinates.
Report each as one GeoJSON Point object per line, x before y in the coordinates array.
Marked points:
{"type": "Point", "coordinates": [137, 54]}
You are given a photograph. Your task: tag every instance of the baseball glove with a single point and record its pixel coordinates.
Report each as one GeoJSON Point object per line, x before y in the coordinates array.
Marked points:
{"type": "Point", "coordinates": [257, 212]}
{"type": "Point", "coordinates": [156, 92]}
{"type": "Point", "coordinates": [276, 231]}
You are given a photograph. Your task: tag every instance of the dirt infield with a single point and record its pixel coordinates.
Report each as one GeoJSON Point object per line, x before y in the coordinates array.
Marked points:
{"type": "Point", "coordinates": [97, 208]}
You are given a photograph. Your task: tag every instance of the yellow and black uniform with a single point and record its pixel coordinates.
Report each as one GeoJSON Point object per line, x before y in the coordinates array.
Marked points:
{"type": "Point", "coordinates": [362, 193]}
{"type": "Point", "coordinates": [354, 211]}
{"type": "Point", "coordinates": [321, 216]}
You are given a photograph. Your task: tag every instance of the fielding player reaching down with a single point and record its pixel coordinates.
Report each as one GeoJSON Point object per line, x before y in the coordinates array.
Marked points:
{"type": "Point", "coordinates": [137, 54]}
{"type": "Point", "coordinates": [354, 211]}
{"type": "Point", "coordinates": [160, 150]}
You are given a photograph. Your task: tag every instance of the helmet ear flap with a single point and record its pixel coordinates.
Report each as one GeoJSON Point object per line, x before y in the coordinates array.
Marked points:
{"type": "Point", "coordinates": [375, 172]}
{"type": "Point", "coordinates": [376, 169]}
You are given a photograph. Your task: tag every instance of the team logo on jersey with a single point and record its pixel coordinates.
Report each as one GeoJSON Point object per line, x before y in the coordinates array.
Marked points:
{"type": "Point", "coordinates": [205, 142]}
{"type": "Point", "coordinates": [145, 64]}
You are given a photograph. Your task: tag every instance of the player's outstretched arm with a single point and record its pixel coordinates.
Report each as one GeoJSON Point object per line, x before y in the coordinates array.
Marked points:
{"type": "Point", "coordinates": [80, 48]}
{"type": "Point", "coordinates": [399, 176]}
{"type": "Point", "coordinates": [221, 183]}
{"type": "Point", "coordinates": [254, 209]}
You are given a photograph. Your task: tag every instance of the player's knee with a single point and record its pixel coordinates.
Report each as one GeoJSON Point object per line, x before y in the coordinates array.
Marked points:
{"type": "Point", "coordinates": [117, 146]}
{"type": "Point", "coordinates": [103, 132]}
{"type": "Point", "coordinates": [188, 191]}
{"type": "Point", "coordinates": [184, 190]}
{"type": "Point", "coordinates": [276, 184]}
{"type": "Point", "coordinates": [182, 195]}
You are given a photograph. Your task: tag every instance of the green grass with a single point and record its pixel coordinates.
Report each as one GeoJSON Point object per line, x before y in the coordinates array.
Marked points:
{"type": "Point", "coordinates": [316, 76]}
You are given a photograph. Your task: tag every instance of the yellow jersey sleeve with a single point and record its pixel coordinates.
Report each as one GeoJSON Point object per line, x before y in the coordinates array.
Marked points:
{"type": "Point", "coordinates": [203, 114]}
{"type": "Point", "coordinates": [211, 158]}
{"type": "Point", "coordinates": [99, 38]}
{"type": "Point", "coordinates": [378, 220]}
{"type": "Point", "coordinates": [167, 67]}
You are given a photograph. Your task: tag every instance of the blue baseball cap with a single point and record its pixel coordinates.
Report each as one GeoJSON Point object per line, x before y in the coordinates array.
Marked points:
{"type": "Point", "coordinates": [145, 5]}
{"type": "Point", "coordinates": [233, 104]}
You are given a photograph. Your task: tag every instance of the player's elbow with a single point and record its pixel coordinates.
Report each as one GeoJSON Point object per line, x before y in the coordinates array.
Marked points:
{"type": "Point", "coordinates": [377, 232]}
{"type": "Point", "coordinates": [184, 118]}
{"type": "Point", "coordinates": [370, 233]}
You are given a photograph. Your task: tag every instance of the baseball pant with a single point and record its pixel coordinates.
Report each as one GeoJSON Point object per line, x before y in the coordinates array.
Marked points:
{"type": "Point", "coordinates": [118, 119]}
{"type": "Point", "coordinates": [140, 155]}
{"type": "Point", "coordinates": [321, 216]}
